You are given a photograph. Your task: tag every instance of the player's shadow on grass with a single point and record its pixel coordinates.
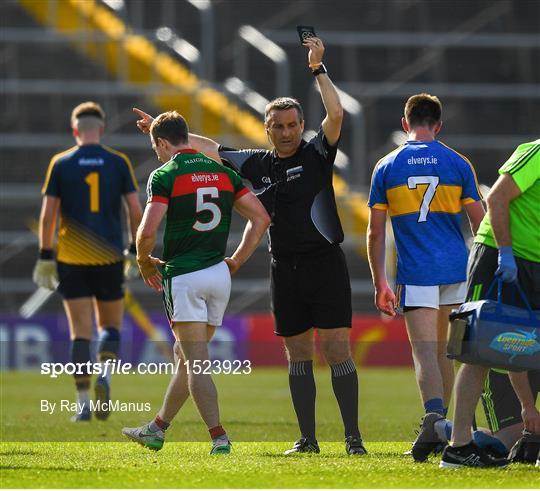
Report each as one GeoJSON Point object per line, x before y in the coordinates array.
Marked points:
{"type": "Point", "coordinates": [299, 457]}
{"type": "Point", "coordinates": [10, 453]}
{"type": "Point", "coordinates": [258, 423]}
{"type": "Point", "coordinates": [15, 467]}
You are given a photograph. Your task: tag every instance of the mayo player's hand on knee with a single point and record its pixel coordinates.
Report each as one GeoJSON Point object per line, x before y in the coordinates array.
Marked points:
{"type": "Point", "coordinates": [385, 300]}
{"type": "Point", "coordinates": [146, 120]}
{"type": "Point", "coordinates": [150, 272]}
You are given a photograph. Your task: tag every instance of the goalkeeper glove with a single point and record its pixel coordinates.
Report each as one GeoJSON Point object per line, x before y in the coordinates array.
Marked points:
{"type": "Point", "coordinates": [507, 269]}
{"type": "Point", "coordinates": [45, 273]}
{"type": "Point", "coordinates": [131, 268]}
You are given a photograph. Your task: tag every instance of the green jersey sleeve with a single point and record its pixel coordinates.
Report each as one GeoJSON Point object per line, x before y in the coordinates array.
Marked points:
{"type": "Point", "coordinates": [238, 186]}
{"type": "Point", "coordinates": [524, 165]}
{"type": "Point", "coordinates": [159, 187]}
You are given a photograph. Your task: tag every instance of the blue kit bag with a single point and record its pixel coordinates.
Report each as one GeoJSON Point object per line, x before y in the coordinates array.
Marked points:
{"type": "Point", "coordinates": [496, 335]}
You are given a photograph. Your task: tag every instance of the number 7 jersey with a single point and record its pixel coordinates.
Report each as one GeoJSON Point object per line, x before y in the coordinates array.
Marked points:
{"type": "Point", "coordinates": [200, 195]}
{"type": "Point", "coordinates": [423, 186]}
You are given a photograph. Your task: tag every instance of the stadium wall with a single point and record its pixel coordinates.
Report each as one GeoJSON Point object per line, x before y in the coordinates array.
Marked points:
{"type": "Point", "coordinates": [25, 344]}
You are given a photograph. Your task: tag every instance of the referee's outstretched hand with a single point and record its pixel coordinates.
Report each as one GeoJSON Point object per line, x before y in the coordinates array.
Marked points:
{"type": "Point", "coordinates": [385, 300]}
{"type": "Point", "coordinates": [146, 120]}
{"type": "Point", "coordinates": [316, 50]}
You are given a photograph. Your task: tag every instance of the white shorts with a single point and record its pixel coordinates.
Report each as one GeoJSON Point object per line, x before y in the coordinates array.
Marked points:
{"type": "Point", "coordinates": [201, 296]}
{"type": "Point", "coordinates": [430, 296]}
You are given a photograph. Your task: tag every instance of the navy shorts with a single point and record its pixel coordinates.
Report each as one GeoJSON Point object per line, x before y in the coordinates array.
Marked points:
{"type": "Point", "coordinates": [102, 282]}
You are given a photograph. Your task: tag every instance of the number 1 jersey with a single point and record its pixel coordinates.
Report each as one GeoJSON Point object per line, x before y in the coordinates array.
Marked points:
{"type": "Point", "coordinates": [423, 186]}
{"type": "Point", "coordinates": [200, 195]}
{"type": "Point", "coordinates": [90, 181]}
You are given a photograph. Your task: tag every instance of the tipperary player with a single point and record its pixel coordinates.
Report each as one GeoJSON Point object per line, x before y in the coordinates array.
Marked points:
{"type": "Point", "coordinates": [86, 185]}
{"type": "Point", "coordinates": [196, 196]}
{"type": "Point", "coordinates": [423, 185]}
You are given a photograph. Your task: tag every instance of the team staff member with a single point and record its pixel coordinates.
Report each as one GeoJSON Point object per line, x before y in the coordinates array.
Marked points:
{"type": "Point", "coordinates": [506, 245]}
{"type": "Point", "coordinates": [87, 184]}
{"type": "Point", "coordinates": [423, 185]}
{"type": "Point", "coordinates": [507, 414]}
{"type": "Point", "coordinates": [310, 281]}
{"type": "Point", "coordinates": [196, 195]}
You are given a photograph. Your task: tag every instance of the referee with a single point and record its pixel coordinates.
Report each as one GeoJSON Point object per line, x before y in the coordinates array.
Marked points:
{"type": "Point", "coordinates": [310, 287]}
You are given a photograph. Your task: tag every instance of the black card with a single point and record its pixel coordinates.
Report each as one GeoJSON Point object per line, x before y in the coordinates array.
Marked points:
{"type": "Point", "coordinates": [305, 32]}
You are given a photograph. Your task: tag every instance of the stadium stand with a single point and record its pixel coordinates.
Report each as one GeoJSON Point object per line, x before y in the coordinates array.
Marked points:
{"type": "Point", "coordinates": [490, 93]}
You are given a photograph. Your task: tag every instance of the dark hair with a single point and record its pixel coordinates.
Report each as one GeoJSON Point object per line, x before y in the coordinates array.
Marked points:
{"type": "Point", "coordinates": [88, 108]}
{"type": "Point", "coordinates": [282, 104]}
{"type": "Point", "coordinates": [423, 110]}
{"type": "Point", "coordinates": [171, 126]}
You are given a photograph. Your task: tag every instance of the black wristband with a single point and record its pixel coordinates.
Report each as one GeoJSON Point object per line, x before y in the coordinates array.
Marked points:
{"type": "Point", "coordinates": [319, 70]}
{"type": "Point", "coordinates": [132, 248]}
{"type": "Point", "coordinates": [46, 254]}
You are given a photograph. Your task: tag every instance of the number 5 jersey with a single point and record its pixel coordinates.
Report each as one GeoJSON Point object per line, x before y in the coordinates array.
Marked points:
{"type": "Point", "coordinates": [200, 195]}
{"type": "Point", "coordinates": [423, 186]}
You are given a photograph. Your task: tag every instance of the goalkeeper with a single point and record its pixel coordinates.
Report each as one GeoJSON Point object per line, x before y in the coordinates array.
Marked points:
{"type": "Point", "coordinates": [86, 186]}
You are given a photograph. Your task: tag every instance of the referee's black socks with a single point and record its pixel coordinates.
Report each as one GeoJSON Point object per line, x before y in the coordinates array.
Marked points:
{"type": "Point", "coordinates": [303, 392]}
{"type": "Point", "coordinates": [345, 385]}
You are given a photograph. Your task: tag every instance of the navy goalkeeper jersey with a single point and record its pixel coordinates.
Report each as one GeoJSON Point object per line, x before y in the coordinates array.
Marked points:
{"type": "Point", "coordinates": [90, 181]}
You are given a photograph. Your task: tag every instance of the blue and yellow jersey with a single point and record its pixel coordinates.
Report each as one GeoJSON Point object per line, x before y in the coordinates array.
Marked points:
{"type": "Point", "coordinates": [423, 186]}
{"type": "Point", "coordinates": [90, 181]}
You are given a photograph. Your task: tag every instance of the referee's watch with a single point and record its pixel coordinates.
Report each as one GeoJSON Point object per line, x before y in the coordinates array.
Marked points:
{"type": "Point", "coordinates": [320, 69]}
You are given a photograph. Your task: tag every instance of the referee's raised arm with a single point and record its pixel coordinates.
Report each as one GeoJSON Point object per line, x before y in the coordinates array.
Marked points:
{"type": "Point", "coordinates": [331, 124]}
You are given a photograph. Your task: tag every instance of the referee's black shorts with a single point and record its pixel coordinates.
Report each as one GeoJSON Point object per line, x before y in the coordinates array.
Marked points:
{"type": "Point", "coordinates": [501, 405]}
{"type": "Point", "coordinates": [105, 283]}
{"type": "Point", "coordinates": [311, 290]}
{"type": "Point", "coordinates": [482, 267]}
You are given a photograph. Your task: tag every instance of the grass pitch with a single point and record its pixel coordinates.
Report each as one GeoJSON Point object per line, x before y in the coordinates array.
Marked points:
{"type": "Point", "coordinates": [39, 450]}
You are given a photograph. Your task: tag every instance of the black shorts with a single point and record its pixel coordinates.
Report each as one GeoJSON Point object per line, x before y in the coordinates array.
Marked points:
{"type": "Point", "coordinates": [482, 266]}
{"type": "Point", "coordinates": [102, 282]}
{"type": "Point", "coordinates": [311, 290]}
{"type": "Point", "coordinates": [501, 405]}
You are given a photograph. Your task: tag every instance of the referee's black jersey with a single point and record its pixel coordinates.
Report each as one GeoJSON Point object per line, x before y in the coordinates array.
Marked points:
{"type": "Point", "coordinates": [296, 191]}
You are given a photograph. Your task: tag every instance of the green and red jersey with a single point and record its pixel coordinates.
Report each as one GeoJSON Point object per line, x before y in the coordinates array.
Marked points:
{"type": "Point", "coordinates": [200, 195]}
